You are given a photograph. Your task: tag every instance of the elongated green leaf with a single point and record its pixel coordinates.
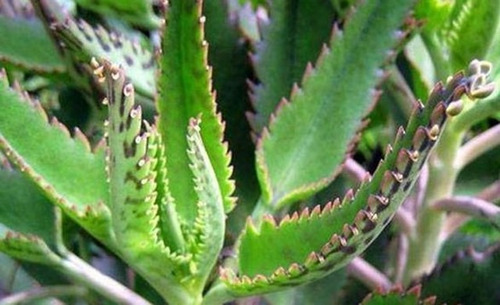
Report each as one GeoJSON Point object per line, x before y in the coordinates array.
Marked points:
{"type": "Point", "coordinates": [470, 29]}
{"type": "Point", "coordinates": [230, 82]}
{"type": "Point", "coordinates": [64, 167]}
{"type": "Point", "coordinates": [79, 42]}
{"type": "Point", "coordinates": [330, 237]}
{"type": "Point", "coordinates": [310, 136]}
{"type": "Point", "coordinates": [210, 222]}
{"type": "Point", "coordinates": [468, 277]}
{"type": "Point", "coordinates": [131, 163]}
{"type": "Point", "coordinates": [139, 12]}
{"type": "Point", "coordinates": [26, 247]}
{"type": "Point", "coordinates": [24, 42]}
{"type": "Point", "coordinates": [293, 38]}
{"type": "Point", "coordinates": [185, 92]}
{"type": "Point", "coordinates": [24, 209]}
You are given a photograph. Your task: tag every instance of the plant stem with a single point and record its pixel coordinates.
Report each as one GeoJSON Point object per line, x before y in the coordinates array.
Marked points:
{"type": "Point", "coordinates": [478, 146]}
{"type": "Point", "coordinates": [482, 109]}
{"type": "Point", "coordinates": [471, 206]}
{"type": "Point", "coordinates": [425, 245]}
{"type": "Point", "coordinates": [43, 293]}
{"type": "Point", "coordinates": [81, 272]}
{"type": "Point", "coordinates": [456, 220]}
{"type": "Point", "coordinates": [368, 275]}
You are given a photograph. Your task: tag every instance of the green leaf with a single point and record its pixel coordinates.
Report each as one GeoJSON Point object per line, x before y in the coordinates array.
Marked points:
{"type": "Point", "coordinates": [321, 292]}
{"type": "Point", "coordinates": [434, 12]}
{"type": "Point", "coordinates": [132, 164]}
{"type": "Point", "coordinates": [470, 30]}
{"type": "Point", "coordinates": [80, 42]}
{"type": "Point", "coordinates": [398, 297]}
{"type": "Point", "coordinates": [292, 39]}
{"type": "Point", "coordinates": [24, 42]}
{"type": "Point", "coordinates": [70, 174]}
{"type": "Point", "coordinates": [24, 209]}
{"type": "Point", "coordinates": [331, 236]}
{"type": "Point", "coordinates": [139, 12]}
{"type": "Point", "coordinates": [230, 82]}
{"type": "Point", "coordinates": [184, 94]}
{"type": "Point", "coordinates": [26, 247]}
{"type": "Point", "coordinates": [310, 136]}
{"type": "Point", "coordinates": [469, 277]}
{"type": "Point", "coordinates": [210, 222]}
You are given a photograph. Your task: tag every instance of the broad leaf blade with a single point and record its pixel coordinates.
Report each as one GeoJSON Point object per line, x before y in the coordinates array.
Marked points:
{"type": "Point", "coordinates": [24, 42]}
{"type": "Point", "coordinates": [293, 38]}
{"type": "Point", "coordinates": [24, 209]}
{"type": "Point", "coordinates": [64, 167]}
{"type": "Point", "coordinates": [330, 237]}
{"type": "Point", "coordinates": [184, 94]}
{"type": "Point", "coordinates": [310, 136]}
{"type": "Point", "coordinates": [468, 277]}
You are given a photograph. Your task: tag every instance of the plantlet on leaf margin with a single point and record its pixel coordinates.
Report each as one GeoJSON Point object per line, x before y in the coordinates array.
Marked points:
{"type": "Point", "coordinates": [330, 237]}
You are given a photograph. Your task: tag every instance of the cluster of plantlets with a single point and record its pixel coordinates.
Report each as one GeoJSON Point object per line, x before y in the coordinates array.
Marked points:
{"type": "Point", "coordinates": [193, 197]}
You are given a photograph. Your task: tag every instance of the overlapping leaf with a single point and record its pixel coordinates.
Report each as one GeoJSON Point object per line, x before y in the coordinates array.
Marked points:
{"type": "Point", "coordinates": [131, 164]}
{"type": "Point", "coordinates": [139, 12]}
{"type": "Point", "coordinates": [27, 220]}
{"type": "Point", "coordinates": [184, 94]}
{"type": "Point", "coordinates": [55, 161]}
{"type": "Point", "coordinates": [331, 236]}
{"type": "Point", "coordinates": [308, 139]}
{"type": "Point", "coordinates": [38, 53]}
{"type": "Point", "coordinates": [472, 22]}
{"type": "Point", "coordinates": [468, 277]}
{"type": "Point", "coordinates": [79, 42]}
{"type": "Point", "coordinates": [292, 38]}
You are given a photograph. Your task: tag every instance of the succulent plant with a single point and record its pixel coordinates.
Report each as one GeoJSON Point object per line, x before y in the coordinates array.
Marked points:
{"type": "Point", "coordinates": [198, 174]}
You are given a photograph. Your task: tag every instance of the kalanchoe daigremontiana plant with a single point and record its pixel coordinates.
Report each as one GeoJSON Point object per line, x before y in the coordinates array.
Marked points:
{"type": "Point", "coordinates": [154, 199]}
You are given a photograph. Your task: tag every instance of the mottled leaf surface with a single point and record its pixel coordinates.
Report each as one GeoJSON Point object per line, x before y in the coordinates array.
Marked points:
{"type": "Point", "coordinates": [139, 12]}
{"type": "Point", "coordinates": [79, 42]}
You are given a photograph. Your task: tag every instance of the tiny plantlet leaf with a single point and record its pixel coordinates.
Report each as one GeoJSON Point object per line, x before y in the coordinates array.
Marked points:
{"type": "Point", "coordinates": [27, 247]}
{"type": "Point", "coordinates": [331, 236]}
